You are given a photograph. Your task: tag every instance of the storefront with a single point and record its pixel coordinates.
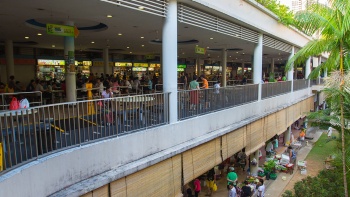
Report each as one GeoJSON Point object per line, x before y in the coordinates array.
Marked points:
{"type": "Point", "coordinates": [98, 67]}
{"type": "Point", "coordinates": [83, 67]}
{"type": "Point", "coordinates": [181, 69]}
{"type": "Point", "coordinates": [140, 70]}
{"type": "Point", "coordinates": [50, 69]}
{"type": "Point", "coordinates": [154, 69]}
{"type": "Point", "coordinates": [121, 69]}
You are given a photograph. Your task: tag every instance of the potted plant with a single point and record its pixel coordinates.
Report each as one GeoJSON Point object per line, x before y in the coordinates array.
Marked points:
{"type": "Point", "coordinates": [269, 168]}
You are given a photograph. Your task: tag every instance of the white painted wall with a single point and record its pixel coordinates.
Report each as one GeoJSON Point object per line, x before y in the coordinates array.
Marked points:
{"type": "Point", "coordinates": [102, 162]}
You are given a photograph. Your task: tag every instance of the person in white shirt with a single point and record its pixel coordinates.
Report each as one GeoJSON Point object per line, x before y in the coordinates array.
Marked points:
{"type": "Point", "coordinates": [329, 132]}
{"type": "Point", "coordinates": [232, 192]}
{"type": "Point", "coordinates": [107, 93]}
{"type": "Point", "coordinates": [261, 189]}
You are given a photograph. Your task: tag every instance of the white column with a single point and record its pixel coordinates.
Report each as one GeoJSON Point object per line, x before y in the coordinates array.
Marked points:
{"type": "Point", "coordinates": [307, 68]}
{"type": "Point", "coordinates": [254, 169]}
{"type": "Point", "coordinates": [291, 70]}
{"type": "Point", "coordinates": [224, 64]}
{"type": "Point", "coordinates": [287, 136]}
{"type": "Point", "coordinates": [105, 61]}
{"type": "Point", "coordinates": [169, 51]}
{"type": "Point", "coordinates": [272, 69]}
{"type": "Point", "coordinates": [10, 66]}
{"type": "Point", "coordinates": [70, 73]}
{"type": "Point", "coordinates": [257, 64]}
{"type": "Point", "coordinates": [325, 72]}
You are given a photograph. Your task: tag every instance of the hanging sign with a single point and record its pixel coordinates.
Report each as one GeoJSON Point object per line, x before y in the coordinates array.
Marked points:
{"type": "Point", "coordinates": [199, 50]}
{"type": "Point", "coordinates": [60, 30]}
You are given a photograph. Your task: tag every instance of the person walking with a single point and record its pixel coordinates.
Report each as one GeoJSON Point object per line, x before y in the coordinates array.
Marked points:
{"type": "Point", "coordinates": [197, 187]}
{"type": "Point", "coordinates": [261, 188]}
{"type": "Point", "coordinates": [232, 190]}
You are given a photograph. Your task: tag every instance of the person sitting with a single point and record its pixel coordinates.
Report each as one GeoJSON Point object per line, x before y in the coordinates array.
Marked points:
{"type": "Point", "coordinates": [31, 86]}
{"type": "Point", "coordinates": [107, 93]}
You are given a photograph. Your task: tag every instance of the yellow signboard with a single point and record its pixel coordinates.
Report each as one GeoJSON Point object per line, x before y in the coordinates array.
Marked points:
{"type": "Point", "coordinates": [101, 63]}
{"type": "Point", "coordinates": [200, 50]}
{"type": "Point", "coordinates": [145, 65]}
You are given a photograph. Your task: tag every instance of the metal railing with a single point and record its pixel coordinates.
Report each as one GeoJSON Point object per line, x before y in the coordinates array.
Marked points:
{"type": "Point", "coordinates": [300, 84]}
{"type": "Point", "coordinates": [159, 87]}
{"type": "Point", "coordinates": [35, 98]}
{"type": "Point", "coordinates": [318, 81]}
{"type": "Point", "coordinates": [198, 102]}
{"type": "Point", "coordinates": [27, 134]}
{"type": "Point", "coordinates": [275, 88]}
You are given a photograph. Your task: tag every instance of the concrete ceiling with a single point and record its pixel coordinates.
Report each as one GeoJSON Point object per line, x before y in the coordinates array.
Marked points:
{"type": "Point", "coordinates": [132, 24]}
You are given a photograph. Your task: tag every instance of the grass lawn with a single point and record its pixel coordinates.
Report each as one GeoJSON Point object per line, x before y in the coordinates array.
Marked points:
{"type": "Point", "coordinates": [323, 148]}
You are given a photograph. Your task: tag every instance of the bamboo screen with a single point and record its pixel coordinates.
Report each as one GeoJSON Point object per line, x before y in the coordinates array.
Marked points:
{"type": "Point", "coordinates": [281, 123]}
{"type": "Point", "coordinates": [87, 195]}
{"type": "Point", "coordinates": [177, 174]}
{"type": "Point", "coordinates": [312, 106]}
{"type": "Point", "coordinates": [235, 141]}
{"type": "Point", "coordinates": [224, 147]}
{"type": "Point", "coordinates": [187, 166]}
{"type": "Point", "coordinates": [203, 158]}
{"type": "Point", "coordinates": [290, 115]}
{"type": "Point", "coordinates": [271, 126]}
{"type": "Point", "coordinates": [248, 139]}
{"type": "Point", "coordinates": [218, 158]}
{"type": "Point", "coordinates": [257, 135]}
{"type": "Point", "coordinates": [297, 113]}
{"type": "Point", "coordinates": [156, 180]}
{"type": "Point", "coordinates": [101, 192]}
{"type": "Point", "coordinates": [118, 188]}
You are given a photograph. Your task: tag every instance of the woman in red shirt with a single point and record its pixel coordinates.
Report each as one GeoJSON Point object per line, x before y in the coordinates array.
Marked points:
{"type": "Point", "coordinates": [197, 187]}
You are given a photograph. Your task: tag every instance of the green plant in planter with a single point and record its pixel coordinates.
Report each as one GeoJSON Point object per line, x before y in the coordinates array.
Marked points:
{"type": "Point", "coordinates": [270, 166]}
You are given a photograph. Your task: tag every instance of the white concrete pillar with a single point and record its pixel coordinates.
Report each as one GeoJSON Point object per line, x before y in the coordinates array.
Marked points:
{"type": "Point", "coordinates": [224, 64]}
{"type": "Point", "coordinates": [291, 70]}
{"type": "Point", "coordinates": [287, 136]}
{"type": "Point", "coordinates": [257, 64]}
{"type": "Point", "coordinates": [325, 72]}
{"type": "Point", "coordinates": [254, 169]}
{"type": "Point", "coordinates": [10, 66]}
{"type": "Point", "coordinates": [69, 49]}
{"type": "Point", "coordinates": [169, 51]}
{"type": "Point", "coordinates": [272, 69]}
{"type": "Point", "coordinates": [307, 68]}
{"type": "Point", "coordinates": [105, 61]}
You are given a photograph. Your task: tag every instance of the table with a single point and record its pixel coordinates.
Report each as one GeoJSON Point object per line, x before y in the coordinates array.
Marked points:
{"type": "Point", "coordinates": [133, 99]}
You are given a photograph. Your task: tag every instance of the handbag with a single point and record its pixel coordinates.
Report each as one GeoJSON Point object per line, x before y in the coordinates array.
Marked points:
{"type": "Point", "coordinates": [215, 187]}
{"type": "Point", "coordinates": [14, 104]}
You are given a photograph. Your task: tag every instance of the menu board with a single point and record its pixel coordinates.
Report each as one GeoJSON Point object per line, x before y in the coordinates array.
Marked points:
{"type": "Point", "coordinates": [123, 64]}
{"type": "Point", "coordinates": [180, 69]}
{"type": "Point", "coordinates": [145, 65]}
{"type": "Point", "coordinates": [139, 69]}
{"type": "Point", "coordinates": [42, 62]}
{"type": "Point", "coordinates": [181, 66]}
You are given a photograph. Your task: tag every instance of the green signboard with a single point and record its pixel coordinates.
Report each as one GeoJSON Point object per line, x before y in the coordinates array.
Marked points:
{"type": "Point", "coordinates": [59, 30]}
{"type": "Point", "coordinates": [180, 69]}
{"type": "Point", "coordinates": [199, 50]}
{"type": "Point", "coordinates": [181, 66]}
{"type": "Point", "coordinates": [149, 57]}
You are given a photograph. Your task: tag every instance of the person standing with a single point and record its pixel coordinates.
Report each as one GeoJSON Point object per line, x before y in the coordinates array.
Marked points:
{"type": "Point", "coordinates": [261, 188]}
{"type": "Point", "coordinates": [232, 190]}
{"type": "Point", "coordinates": [210, 181]}
{"type": "Point", "coordinates": [246, 190]}
{"type": "Point", "coordinates": [205, 86]}
{"type": "Point", "coordinates": [194, 87]}
{"type": "Point", "coordinates": [329, 132]}
{"type": "Point", "coordinates": [231, 177]}
{"type": "Point", "coordinates": [197, 187]}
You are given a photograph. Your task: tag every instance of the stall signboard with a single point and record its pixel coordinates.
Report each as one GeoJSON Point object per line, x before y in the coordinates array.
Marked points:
{"type": "Point", "coordinates": [154, 65]}
{"type": "Point", "coordinates": [59, 30]}
{"type": "Point", "coordinates": [42, 62]}
{"type": "Point", "coordinates": [123, 64]}
{"type": "Point", "coordinates": [145, 65]}
{"type": "Point", "coordinates": [139, 69]}
{"type": "Point", "coordinates": [101, 63]}
{"type": "Point", "coordinates": [83, 63]}
{"type": "Point", "coordinates": [200, 50]}
{"type": "Point", "coordinates": [180, 69]}
{"type": "Point", "coordinates": [150, 69]}
{"type": "Point", "coordinates": [181, 66]}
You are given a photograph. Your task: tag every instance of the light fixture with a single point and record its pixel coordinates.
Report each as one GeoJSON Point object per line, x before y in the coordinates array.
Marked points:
{"type": "Point", "coordinates": [39, 34]}
{"type": "Point", "coordinates": [141, 7]}
{"type": "Point", "coordinates": [127, 47]}
{"type": "Point", "coordinates": [207, 47]}
{"type": "Point", "coordinates": [53, 46]}
{"type": "Point", "coordinates": [237, 52]}
{"type": "Point", "coordinates": [120, 34]}
{"type": "Point", "coordinates": [196, 45]}
{"type": "Point", "coordinates": [236, 58]}
{"type": "Point", "coordinates": [142, 45]}
{"type": "Point", "coordinates": [26, 37]}
{"type": "Point", "coordinates": [92, 42]}
{"type": "Point", "coordinates": [130, 52]}
{"type": "Point", "coordinates": [109, 16]}
{"type": "Point", "coordinates": [142, 37]}
{"type": "Point", "coordinates": [230, 55]}
{"type": "Point", "coordinates": [211, 38]}
{"type": "Point", "coordinates": [243, 53]}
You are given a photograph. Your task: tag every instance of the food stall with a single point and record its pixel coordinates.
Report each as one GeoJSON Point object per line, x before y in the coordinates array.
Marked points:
{"type": "Point", "coordinates": [49, 69]}
{"type": "Point", "coordinates": [83, 67]}
{"type": "Point", "coordinates": [139, 70]}
{"type": "Point", "coordinates": [122, 68]}
{"type": "Point", "coordinates": [180, 69]}
{"type": "Point", "coordinates": [154, 69]}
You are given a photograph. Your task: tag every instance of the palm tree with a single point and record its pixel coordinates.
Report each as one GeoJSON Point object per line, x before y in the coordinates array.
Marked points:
{"type": "Point", "coordinates": [333, 25]}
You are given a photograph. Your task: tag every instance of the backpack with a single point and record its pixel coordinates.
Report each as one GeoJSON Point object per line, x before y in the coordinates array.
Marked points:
{"type": "Point", "coordinates": [14, 105]}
